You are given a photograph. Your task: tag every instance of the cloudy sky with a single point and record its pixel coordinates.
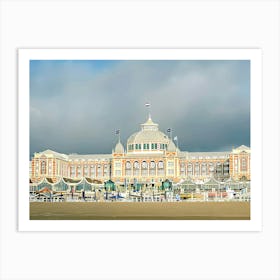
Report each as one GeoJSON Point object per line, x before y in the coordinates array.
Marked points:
{"type": "Point", "coordinates": [76, 106]}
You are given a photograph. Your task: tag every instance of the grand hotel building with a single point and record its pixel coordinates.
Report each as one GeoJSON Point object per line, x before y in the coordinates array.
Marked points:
{"type": "Point", "coordinates": [150, 157]}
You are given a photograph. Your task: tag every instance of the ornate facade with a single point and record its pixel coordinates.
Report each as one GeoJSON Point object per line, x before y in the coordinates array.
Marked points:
{"type": "Point", "coordinates": [150, 157]}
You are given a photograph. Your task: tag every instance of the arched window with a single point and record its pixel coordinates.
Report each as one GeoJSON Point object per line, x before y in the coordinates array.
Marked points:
{"type": "Point", "coordinates": [86, 170]}
{"type": "Point", "coordinates": [105, 169]}
{"type": "Point", "coordinates": [43, 167]}
{"type": "Point", "coordinates": [190, 169]}
{"type": "Point", "coordinates": [152, 168]}
{"type": "Point", "coordinates": [79, 170]}
{"type": "Point", "coordinates": [144, 167]}
{"type": "Point", "coordinates": [197, 168]}
{"type": "Point", "coordinates": [203, 168]}
{"type": "Point", "coordinates": [92, 171]}
{"type": "Point", "coordinates": [218, 168]}
{"type": "Point", "coordinates": [243, 164]}
{"type": "Point", "coordinates": [160, 168]}
{"type": "Point", "coordinates": [211, 167]}
{"type": "Point", "coordinates": [160, 165]}
{"type": "Point", "coordinates": [128, 165]}
{"type": "Point", "coordinates": [72, 171]}
{"type": "Point", "coordinates": [136, 168]}
{"type": "Point", "coordinates": [182, 169]}
{"type": "Point", "coordinates": [152, 165]}
{"type": "Point", "coordinates": [128, 168]}
{"type": "Point", "coordinates": [99, 170]}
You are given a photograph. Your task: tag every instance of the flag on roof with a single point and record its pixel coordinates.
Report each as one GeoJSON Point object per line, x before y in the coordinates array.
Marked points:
{"type": "Point", "coordinates": [175, 138]}
{"type": "Point", "coordinates": [168, 129]}
{"type": "Point", "coordinates": [117, 131]}
{"type": "Point", "coordinates": [147, 104]}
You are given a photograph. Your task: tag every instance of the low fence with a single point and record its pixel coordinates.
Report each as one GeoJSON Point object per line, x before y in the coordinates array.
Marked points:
{"type": "Point", "coordinates": [206, 196]}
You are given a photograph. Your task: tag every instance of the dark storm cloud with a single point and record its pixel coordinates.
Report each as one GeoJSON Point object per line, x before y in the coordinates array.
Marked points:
{"type": "Point", "coordinates": [76, 106]}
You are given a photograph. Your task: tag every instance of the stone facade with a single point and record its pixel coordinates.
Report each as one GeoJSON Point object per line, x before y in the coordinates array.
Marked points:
{"type": "Point", "coordinates": [150, 157]}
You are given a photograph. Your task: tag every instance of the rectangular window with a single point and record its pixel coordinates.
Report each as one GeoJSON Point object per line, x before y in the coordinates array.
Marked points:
{"type": "Point", "coordinates": [160, 171]}
{"type": "Point", "coordinates": [152, 172]}
{"type": "Point", "coordinates": [136, 172]}
{"type": "Point", "coordinates": [243, 165]}
{"type": "Point", "coordinates": [92, 172]}
{"type": "Point", "coordinates": [155, 146]}
{"type": "Point", "coordinates": [148, 146]}
{"type": "Point", "coordinates": [145, 172]}
{"type": "Point", "coordinates": [139, 145]}
{"type": "Point", "coordinates": [152, 146]}
{"type": "Point", "coordinates": [99, 173]}
{"type": "Point", "coordinates": [136, 146]}
{"type": "Point", "coordinates": [170, 164]}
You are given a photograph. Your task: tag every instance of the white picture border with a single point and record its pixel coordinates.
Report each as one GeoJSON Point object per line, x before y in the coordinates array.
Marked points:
{"type": "Point", "coordinates": [255, 57]}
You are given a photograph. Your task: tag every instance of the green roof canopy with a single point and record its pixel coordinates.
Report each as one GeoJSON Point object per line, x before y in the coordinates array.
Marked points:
{"type": "Point", "coordinates": [109, 185]}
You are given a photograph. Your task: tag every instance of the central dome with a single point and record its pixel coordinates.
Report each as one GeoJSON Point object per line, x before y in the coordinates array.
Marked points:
{"type": "Point", "coordinates": [148, 139]}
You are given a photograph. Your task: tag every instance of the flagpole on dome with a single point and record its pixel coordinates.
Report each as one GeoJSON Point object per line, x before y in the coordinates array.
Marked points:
{"type": "Point", "coordinates": [118, 132]}
{"type": "Point", "coordinates": [176, 139]}
{"type": "Point", "coordinates": [169, 131]}
{"type": "Point", "coordinates": [148, 105]}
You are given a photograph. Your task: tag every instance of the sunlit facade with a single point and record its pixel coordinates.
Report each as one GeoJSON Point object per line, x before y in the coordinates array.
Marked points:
{"type": "Point", "coordinates": [149, 157]}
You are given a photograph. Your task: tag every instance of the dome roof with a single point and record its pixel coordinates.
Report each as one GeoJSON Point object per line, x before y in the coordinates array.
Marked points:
{"type": "Point", "coordinates": [148, 136]}
{"type": "Point", "coordinates": [119, 149]}
{"type": "Point", "coordinates": [149, 133]}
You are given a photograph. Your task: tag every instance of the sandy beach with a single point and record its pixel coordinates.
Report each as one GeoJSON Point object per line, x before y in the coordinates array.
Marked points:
{"type": "Point", "coordinates": [140, 211]}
